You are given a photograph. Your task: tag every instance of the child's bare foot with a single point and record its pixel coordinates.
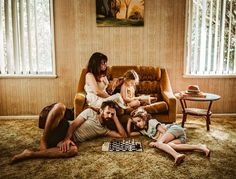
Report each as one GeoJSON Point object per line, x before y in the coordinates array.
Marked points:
{"type": "Point", "coordinates": [153, 144]}
{"type": "Point", "coordinates": [25, 154]}
{"type": "Point", "coordinates": [179, 159]}
{"type": "Point", "coordinates": [205, 150]}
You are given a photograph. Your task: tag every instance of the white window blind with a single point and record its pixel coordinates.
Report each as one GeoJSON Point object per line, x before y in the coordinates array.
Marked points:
{"type": "Point", "coordinates": [211, 37]}
{"type": "Point", "coordinates": [26, 38]}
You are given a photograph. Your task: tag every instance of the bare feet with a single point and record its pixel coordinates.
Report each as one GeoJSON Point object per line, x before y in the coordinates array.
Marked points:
{"type": "Point", "coordinates": [153, 144]}
{"type": "Point", "coordinates": [205, 150]}
{"type": "Point", "coordinates": [25, 154]}
{"type": "Point", "coordinates": [179, 159]}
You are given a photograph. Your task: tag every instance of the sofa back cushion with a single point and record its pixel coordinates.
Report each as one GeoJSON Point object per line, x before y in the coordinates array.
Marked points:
{"type": "Point", "coordinates": [118, 71]}
{"type": "Point", "coordinates": [149, 79]}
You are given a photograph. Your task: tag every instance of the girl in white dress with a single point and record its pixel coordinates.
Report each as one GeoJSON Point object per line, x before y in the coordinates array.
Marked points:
{"type": "Point", "coordinates": [128, 89]}
{"type": "Point", "coordinates": [96, 82]}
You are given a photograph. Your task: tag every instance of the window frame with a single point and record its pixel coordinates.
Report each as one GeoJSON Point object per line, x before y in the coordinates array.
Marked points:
{"type": "Point", "coordinates": [54, 74]}
{"type": "Point", "coordinates": [187, 41]}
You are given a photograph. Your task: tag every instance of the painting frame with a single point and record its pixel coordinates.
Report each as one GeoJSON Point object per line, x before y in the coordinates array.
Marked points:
{"type": "Point", "coordinates": [119, 13]}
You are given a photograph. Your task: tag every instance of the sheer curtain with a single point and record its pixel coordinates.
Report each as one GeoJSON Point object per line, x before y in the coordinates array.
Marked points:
{"type": "Point", "coordinates": [26, 37]}
{"type": "Point", "coordinates": [211, 38]}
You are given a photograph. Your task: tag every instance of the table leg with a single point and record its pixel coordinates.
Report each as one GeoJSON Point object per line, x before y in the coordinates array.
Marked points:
{"type": "Point", "coordinates": [208, 119]}
{"type": "Point", "coordinates": [183, 105]}
{"type": "Point", "coordinates": [208, 122]}
{"type": "Point", "coordinates": [184, 119]}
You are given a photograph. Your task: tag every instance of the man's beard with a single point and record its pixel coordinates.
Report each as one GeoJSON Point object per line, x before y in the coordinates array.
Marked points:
{"type": "Point", "coordinates": [105, 119]}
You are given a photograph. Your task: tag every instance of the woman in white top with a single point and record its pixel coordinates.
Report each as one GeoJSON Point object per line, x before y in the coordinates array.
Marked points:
{"type": "Point", "coordinates": [96, 82]}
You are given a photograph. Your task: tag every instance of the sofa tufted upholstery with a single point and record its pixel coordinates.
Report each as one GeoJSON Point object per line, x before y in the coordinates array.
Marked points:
{"type": "Point", "coordinates": [154, 81]}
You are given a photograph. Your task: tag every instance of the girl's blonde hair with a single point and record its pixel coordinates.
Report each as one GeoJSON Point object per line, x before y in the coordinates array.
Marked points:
{"type": "Point", "coordinates": [131, 75]}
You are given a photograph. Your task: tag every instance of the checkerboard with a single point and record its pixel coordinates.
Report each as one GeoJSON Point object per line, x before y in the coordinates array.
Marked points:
{"type": "Point", "coordinates": [122, 146]}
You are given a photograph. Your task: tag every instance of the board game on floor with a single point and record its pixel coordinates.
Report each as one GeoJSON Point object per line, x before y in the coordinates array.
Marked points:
{"type": "Point", "coordinates": [122, 146]}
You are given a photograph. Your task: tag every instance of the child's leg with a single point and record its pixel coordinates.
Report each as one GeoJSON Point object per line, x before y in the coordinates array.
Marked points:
{"type": "Point", "coordinates": [134, 104]}
{"type": "Point", "coordinates": [161, 144]}
{"type": "Point", "coordinates": [117, 98]}
{"type": "Point", "coordinates": [177, 145]}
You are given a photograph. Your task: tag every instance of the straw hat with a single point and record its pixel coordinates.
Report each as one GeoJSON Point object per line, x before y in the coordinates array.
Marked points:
{"type": "Point", "coordinates": [193, 89]}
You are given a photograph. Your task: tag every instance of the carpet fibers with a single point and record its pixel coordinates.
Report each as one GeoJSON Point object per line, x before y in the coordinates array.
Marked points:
{"type": "Point", "coordinates": [91, 162]}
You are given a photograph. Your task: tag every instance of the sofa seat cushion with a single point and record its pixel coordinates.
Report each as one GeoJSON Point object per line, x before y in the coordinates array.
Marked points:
{"type": "Point", "coordinates": [151, 88]}
{"type": "Point", "coordinates": [154, 108]}
{"type": "Point", "coordinates": [157, 107]}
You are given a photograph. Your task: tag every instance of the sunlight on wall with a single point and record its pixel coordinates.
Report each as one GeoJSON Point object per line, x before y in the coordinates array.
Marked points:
{"type": "Point", "coordinates": [134, 6]}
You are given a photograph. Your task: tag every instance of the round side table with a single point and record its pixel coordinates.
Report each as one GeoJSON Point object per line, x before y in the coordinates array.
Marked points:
{"type": "Point", "coordinates": [210, 97]}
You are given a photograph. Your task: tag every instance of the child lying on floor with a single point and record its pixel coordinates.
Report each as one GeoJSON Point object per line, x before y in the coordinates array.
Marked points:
{"type": "Point", "coordinates": [169, 138]}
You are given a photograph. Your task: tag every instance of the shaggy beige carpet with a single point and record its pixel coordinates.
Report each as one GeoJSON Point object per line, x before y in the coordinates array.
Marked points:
{"type": "Point", "coordinates": [91, 162]}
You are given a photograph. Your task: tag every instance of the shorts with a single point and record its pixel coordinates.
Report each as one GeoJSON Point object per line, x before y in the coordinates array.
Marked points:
{"type": "Point", "coordinates": [58, 134]}
{"type": "Point", "coordinates": [177, 131]}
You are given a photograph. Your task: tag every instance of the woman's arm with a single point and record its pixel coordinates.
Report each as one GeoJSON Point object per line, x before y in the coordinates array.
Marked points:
{"type": "Point", "coordinates": [131, 134]}
{"type": "Point", "coordinates": [91, 81]}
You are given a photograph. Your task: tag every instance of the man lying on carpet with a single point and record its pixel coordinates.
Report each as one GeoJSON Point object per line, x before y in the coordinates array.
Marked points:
{"type": "Point", "coordinates": [169, 138]}
{"type": "Point", "coordinates": [87, 125]}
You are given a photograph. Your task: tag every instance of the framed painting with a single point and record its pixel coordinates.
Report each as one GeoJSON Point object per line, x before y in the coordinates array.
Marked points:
{"type": "Point", "coordinates": [120, 12]}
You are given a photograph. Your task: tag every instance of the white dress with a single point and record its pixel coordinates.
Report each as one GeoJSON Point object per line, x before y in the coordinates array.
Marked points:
{"type": "Point", "coordinates": [96, 101]}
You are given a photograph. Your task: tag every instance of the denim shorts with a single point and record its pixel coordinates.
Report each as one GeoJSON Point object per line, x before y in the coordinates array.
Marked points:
{"type": "Point", "coordinates": [177, 131]}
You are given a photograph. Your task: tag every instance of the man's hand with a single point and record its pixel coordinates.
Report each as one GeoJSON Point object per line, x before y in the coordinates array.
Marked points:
{"type": "Point", "coordinates": [64, 145]}
{"type": "Point", "coordinates": [121, 132]}
{"type": "Point", "coordinates": [115, 116]}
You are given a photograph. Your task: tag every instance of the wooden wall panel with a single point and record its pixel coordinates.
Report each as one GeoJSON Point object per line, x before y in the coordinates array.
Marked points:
{"type": "Point", "coordinates": [159, 43]}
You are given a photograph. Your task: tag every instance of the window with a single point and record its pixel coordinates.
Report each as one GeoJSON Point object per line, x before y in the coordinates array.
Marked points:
{"type": "Point", "coordinates": [211, 37]}
{"type": "Point", "coordinates": [26, 38]}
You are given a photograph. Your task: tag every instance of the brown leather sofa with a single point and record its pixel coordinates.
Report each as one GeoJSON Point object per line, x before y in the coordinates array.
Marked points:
{"type": "Point", "coordinates": [154, 81]}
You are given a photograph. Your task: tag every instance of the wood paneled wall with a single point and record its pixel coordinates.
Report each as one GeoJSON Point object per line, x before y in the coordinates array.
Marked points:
{"type": "Point", "coordinates": [159, 43]}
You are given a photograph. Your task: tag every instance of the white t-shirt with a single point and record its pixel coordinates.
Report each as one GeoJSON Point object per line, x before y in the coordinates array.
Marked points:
{"type": "Point", "coordinates": [152, 128]}
{"type": "Point", "coordinates": [90, 128]}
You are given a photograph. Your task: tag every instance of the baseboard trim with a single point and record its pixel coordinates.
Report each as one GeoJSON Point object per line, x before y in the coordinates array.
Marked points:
{"type": "Point", "coordinates": [216, 115]}
{"type": "Point", "coordinates": [20, 117]}
{"type": "Point", "coordinates": [178, 115]}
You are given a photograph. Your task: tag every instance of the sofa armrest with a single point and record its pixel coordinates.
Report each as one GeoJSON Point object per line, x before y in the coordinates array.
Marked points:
{"type": "Point", "coordinates": [79, 103]}
{"type": "Point", "coordinates": [168, 95]}
{"type": "Point", "coordinates": [171, 101]}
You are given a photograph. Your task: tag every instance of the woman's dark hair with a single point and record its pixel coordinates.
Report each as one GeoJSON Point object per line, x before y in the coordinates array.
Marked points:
{"type": "Point", "coordinates": [94, 64]}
